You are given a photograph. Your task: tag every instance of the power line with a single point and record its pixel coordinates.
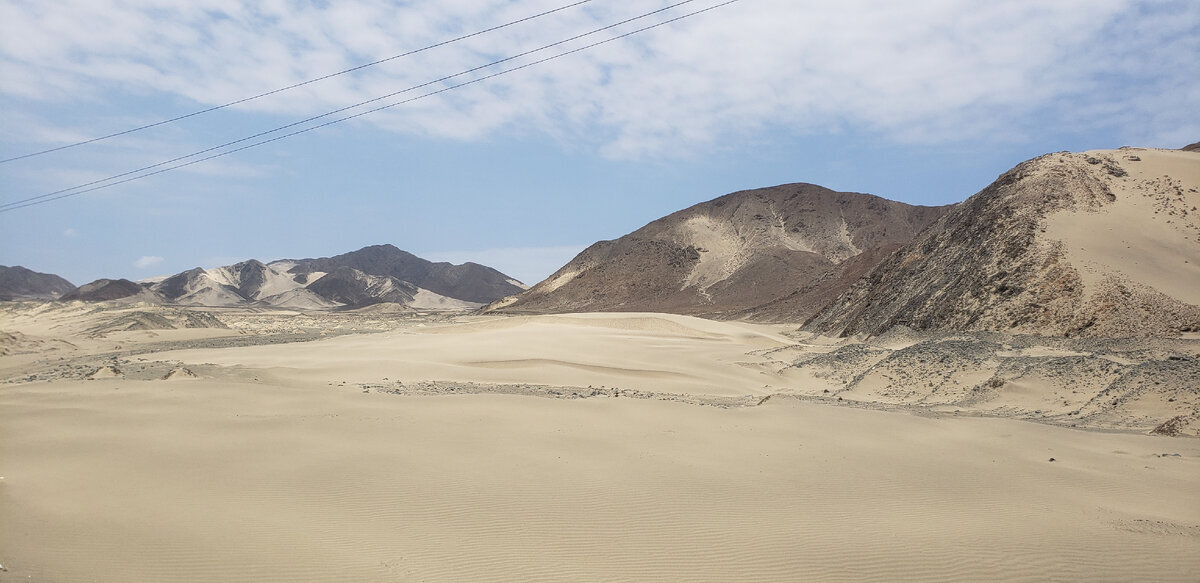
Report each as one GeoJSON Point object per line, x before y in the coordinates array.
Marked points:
{"type": "Point", "coordinates": [64, 193]}
{"type": "Point", "coordinates": [301, 84]}
{"type": "Point", "coordinates": [161, 167]}
{"type": "Point", "coordinates": [4, 206]}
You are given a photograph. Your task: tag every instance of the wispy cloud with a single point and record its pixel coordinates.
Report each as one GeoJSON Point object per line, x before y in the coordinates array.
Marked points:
{"type": "Point", "coordinates": [930, 72]}
{"type": "Point", "coordinates": [70, 233]}
{"type": "Point", "coordinates": [147, 261]}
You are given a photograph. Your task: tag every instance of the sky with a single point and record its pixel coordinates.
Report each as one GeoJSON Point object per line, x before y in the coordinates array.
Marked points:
{"type": "Point", "coordinates": [922, 102]}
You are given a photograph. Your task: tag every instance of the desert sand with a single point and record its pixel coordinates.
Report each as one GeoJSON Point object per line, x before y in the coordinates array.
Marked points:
{"type": "Point", "coordinates": [1140, 237]}
{"type": "Point", "coordinates": [368, 446]}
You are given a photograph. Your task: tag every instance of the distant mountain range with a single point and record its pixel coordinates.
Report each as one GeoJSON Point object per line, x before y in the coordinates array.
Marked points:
{"type": "Point", "coordinates": [1100, 243]}
{"type": "Point", "coordinates": [371, 275]}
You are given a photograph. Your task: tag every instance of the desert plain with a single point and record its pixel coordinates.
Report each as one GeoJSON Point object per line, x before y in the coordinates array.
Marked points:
{"type": "Point", "coordinates": [153, 443]}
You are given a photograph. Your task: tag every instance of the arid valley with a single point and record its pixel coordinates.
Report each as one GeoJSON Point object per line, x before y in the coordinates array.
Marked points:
{"type": "Point", "coordinates": [376, 445]}
{"type": "Point", "coordinates": [532, 291]}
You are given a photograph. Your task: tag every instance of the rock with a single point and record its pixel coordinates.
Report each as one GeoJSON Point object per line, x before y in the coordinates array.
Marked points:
{"type": "Point", "coordinates": [1171, 427]}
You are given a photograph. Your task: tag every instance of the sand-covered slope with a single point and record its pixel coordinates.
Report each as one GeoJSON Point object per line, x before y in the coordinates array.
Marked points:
{"type": "Point", "coordinates": [1100, 243]}
{"type": "Point", "coordinates": [732, 253]}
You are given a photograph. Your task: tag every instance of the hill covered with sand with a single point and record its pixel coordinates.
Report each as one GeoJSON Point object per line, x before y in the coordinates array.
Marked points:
{"type": "Point", "coordinates": [1101, 243]}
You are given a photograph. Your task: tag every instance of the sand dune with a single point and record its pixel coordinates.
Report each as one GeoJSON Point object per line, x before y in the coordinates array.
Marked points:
{"type": "Point", "coordinates": [1146, 235]}
{"type": "Point", "coordinates": [472, 450]}
{"type": "Point", "coordinates": [675, 353]}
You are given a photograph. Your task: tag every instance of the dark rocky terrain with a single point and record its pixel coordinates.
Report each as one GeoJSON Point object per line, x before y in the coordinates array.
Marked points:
{"type": "Point", "coordinates": [469, 282]}
{"type": "Point", "coordinates": [351, 287]}
{"type": "Point", "coordinates": [104, 290]}
{"type": "Point", "coordinates": [733, 254]}
{"type": "Point", "coordinates": [19, 283]}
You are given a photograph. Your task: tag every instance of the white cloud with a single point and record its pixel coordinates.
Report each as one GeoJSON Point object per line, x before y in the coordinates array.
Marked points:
{"type": "Point", "coordinates": [146, 261]}
{"type": "Point", "coordinates": [936, 71]}
{"type": "Point", "coordinates": [529, 265]}
{"type": "Point", "coordinates": [70, 233]}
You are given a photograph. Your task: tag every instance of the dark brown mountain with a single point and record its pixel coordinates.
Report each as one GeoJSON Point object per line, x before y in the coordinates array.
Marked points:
{"type": "Point", "coordinates": [734, 253]}
{"type": "Point", "coordinates": [1102, 243]}
{"type": "Point", "coordinates": [1191, 147]}
{"type": "Point", "coordinates": [103, 290]}
{"type": "Point", "coordinates": [353, 288]}
{"type": "Point", "coordinates": [470, 281]}
{"type": "Point", "coordinates": [19, 283]}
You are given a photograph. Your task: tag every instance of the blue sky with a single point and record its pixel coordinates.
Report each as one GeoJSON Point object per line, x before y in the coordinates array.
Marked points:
{"type": "Point", "coordinates": [924, 104]}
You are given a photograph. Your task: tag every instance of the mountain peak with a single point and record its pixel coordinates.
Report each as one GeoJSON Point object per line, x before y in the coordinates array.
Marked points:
{"type": "Point", "coordinates": [729, 254]}
{"type": "Point", "coordinates": [19, 283]}
{"type": "Point", "coordinates": [469, 282]}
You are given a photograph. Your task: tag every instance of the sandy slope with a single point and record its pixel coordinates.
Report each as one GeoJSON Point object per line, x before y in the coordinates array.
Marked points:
{"type": "Point", "coordinates": [663, 352]}
{"type": "Point", "coordinates": [348, 459]}
{"type": "Point", "coordinates": [1102, 244]}
{"type": "Point", "coordinates": [1150, 236]}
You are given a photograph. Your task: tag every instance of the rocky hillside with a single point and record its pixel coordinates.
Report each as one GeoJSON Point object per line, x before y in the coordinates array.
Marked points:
{"type": "Point", "coordinates": [107, 290]}
{"type": "Point", "coordinates": [1101, 243]}
{"type": "Point", "coordinates": [19, 283]}
{"type": "Point", "coordinates": [468, 282]}
{"type": "Point", "coordinates": [732, 254]}
{"type": "Point", "coordinates": [242, 283]}
{"type": "Point", "coordinates": [372, 275]}
{"type": "Point", "coordinates": [349, 286]}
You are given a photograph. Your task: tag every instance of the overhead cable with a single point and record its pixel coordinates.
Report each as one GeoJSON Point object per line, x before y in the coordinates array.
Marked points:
{"type": "Point", "coordinates": [159, 168]}
{"type": "Point", "coordinates": [289, 87]}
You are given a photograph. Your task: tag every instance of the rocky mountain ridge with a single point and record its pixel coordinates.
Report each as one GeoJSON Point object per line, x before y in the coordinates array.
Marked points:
{"type": "Point", "coordinates": [19, 283]}
{"type": "Point", "coordinates": [730, 254]}
{"type": "Point", "coordinates": [372, 275]}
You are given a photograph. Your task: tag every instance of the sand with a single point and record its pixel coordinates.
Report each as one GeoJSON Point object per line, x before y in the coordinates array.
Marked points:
{"type": "Point", "coordinates": [632, 447]}
{"type": "Point", "coordinates": [1145, 235]}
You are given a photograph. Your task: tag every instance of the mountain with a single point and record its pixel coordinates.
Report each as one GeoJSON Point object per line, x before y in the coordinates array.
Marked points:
{"type": "Point", "coordinates": [351, 287]}
{"type": "Point", "coordinates": [376, 274]}
{"type": "Point", "coordinates": [732, 254]}
{"type": "Point", "coordinates": [241, 283]}
{"type": "Point", "coordinates": [19, 283]}
{"type": "Point", "coordinates": [1100, 243]}
{"type": "Point", "coordinates": [105, 290]}
{"type": "Point", "coordinates": [468, 282]}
